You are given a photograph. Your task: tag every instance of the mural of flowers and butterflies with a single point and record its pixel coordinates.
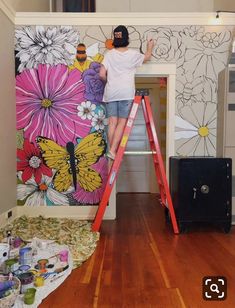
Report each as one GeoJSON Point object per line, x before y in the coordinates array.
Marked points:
{"type": "Point", "coordinates": [61, 121]}
{"type": "Point", "coordinates": [200, 53]}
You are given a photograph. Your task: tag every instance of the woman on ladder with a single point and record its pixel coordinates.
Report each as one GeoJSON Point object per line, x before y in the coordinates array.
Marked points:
{"type": "Point", "coordinates": [118, 71]}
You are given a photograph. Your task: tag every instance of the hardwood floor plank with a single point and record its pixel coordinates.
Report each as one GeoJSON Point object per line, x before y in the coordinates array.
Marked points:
{"type": "Point", "coordinates": [139, 262]}
{"type": "Point", "coordinates": [98, 283]}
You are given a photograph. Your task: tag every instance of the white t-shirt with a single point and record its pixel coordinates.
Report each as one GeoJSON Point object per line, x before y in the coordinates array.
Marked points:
{"type": "Point", "coordinates": [121, 67]}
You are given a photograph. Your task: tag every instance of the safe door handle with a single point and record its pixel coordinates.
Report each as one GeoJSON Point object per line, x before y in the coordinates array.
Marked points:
{"type": "Point", "coordinates": [194, 193]}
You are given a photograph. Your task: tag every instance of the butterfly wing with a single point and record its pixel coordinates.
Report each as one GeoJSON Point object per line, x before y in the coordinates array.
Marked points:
{"type": "Point", "coordinates": [56, 157]}
{"type": "Point", "coordinates": [90, 149]}
{"type": "Point", "coordinates": [63, 179]}
{"type": "Point", "coordinates": [87, 153]}
{"type": "Point", "coordinates": [89, 179]}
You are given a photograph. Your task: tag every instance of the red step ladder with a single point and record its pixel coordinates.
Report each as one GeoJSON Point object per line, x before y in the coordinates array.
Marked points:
{"type": "Point", "coordinates": [142, 95]}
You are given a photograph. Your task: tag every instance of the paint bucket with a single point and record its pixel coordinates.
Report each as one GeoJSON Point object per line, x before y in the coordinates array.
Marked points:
{"type": "Point", "coordinates": [29, 296]}
{"type": "Point", "coordinates": [24, 268]}
{"type": "Point", "coordinates": [42, 263]}
{"type": "Point", "coordinates": [11, 265]}
{"type": "Point", "coordinates": [17, 242]}
{"type": "Point", "coordinates": [26, 281]}
{"type": "Point", "coordinates": [39, 281]}
{"type": "Point", "coordinates": [26, 255]}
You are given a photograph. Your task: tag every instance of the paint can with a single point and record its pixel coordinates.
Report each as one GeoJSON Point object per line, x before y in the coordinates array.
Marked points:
{"type": "Point", "coordinates": [17, 242]}
{"type": "Point", "coordinates": [39, 281]}
{"type": "Point", "coordinates": [29, 296]}
{"type": "Point", "coordinates": [26, 255]}
{"type": "Point", "coordinates": [26, 281]}
{"type": "Point", "coordinates": [24, 268]}
{"type": "Point", "coordinates": [10, 266]}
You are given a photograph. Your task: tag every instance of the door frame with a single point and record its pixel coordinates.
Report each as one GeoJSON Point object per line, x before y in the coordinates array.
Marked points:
{"type": "Point", "coordinates": [167, 70]}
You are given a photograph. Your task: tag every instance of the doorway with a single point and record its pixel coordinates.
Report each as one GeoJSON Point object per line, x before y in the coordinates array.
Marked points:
{"type": "Point", "coordinates": [137, 173]}
{"type": "Point", "coordinates": [156, 70]}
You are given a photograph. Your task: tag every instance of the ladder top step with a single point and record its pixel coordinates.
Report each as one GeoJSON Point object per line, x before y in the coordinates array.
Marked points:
{"type": "Point", "coordinates": [142, 92]}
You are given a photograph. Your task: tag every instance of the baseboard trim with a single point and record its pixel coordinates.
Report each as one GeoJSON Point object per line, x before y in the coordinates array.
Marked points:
{"type": "Point", "coordinates": [75, 212]}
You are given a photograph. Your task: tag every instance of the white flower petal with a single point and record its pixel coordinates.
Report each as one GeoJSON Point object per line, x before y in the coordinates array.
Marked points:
{"type": "Point", "coordinates": [52, 45]}
{"type": "Point", "coordinates": [56, 197]}
{"type": "Point", "coordinates": [92, 50]}
{"type": "Point", "coordinates": [24, 190]}
{"type": "Point", "coordinates": [93, 107]}
{"type": "Point", "coordinates": [46, 179]}
{"type": "Point", "coordinates": [181, 123]}
{"type": "Point", "coordinates": [185, 134]}
{"type": "Point", "coordinates": [31, 181]}
{"type": "Point", "coordinates": [36, 199]}
{"type": "Point", "coordinates": [88, 104]}
{"type": "Point", "coordinates": [80, 113]}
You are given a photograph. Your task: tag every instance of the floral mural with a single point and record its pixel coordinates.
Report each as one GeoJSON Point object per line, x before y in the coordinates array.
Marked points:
{"type": "Point", "coordinates": [61, 121]}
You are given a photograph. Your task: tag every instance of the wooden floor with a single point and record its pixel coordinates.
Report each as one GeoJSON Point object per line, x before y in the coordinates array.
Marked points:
{"type": "Point", "coordinates": [139, 262]}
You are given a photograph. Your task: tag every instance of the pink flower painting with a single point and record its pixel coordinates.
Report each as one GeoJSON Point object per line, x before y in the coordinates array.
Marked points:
{"type": "Point", "coordinates": [47, 99]}
{"type": "Point", "coordinates": [94, 197]}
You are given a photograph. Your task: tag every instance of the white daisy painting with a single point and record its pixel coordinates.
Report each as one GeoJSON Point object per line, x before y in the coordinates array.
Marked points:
{"type": "Point", "coordinates": [43, 193]}
{"type": "Point", "coordinates": [99, 121]}
{"type": "Point", "coordinates": [45, 45]}
{"type": "Point", "coordinates": [195, 133]}
{"type": "Point", "coordinates": [86, 110]}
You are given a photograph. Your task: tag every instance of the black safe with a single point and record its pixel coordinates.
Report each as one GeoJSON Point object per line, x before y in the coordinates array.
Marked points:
{"type": "Point", "coordinates": [201, 190]}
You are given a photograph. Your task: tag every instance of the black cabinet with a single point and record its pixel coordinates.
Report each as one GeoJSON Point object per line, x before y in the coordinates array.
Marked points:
{"type": "Point", "coordinates": [201, 190]}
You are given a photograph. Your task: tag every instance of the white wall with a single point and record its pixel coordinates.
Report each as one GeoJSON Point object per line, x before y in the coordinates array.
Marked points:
{"type": "Point", "coordinates": [155, 6]}
{"type": "Point", "coordinates": [130, 5]}
{"type": "Point", "coordinates": [224, 5]}
{"type": "Point", "coordinates": [7, 115]}
{"type": "Point", "coordinates": [29, 5]}
{"type": "Point", "coordinates": [58, 5]}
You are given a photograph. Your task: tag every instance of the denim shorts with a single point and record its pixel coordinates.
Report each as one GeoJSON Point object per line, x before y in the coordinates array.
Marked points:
{"type": "Point", "coordinates": [119, 109]}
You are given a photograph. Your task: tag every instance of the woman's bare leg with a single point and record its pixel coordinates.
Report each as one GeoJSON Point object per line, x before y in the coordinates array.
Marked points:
{"type": "Point", "coordinates": [112, 124]}
{"type": "Point", "coordinates": [117, 135]}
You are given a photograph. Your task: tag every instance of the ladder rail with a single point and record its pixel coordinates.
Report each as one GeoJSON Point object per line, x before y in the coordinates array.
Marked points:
{"type": "Point", "coordinates": [154, 152]}
{"type": "Point", "coordinates": [141, 96]}
{"type": "Point", "coordinates": [116, 165]}
{"type": "Point", "coordinates": [161, 164]}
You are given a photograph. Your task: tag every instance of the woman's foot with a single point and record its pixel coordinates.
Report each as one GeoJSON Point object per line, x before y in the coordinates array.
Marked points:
{"type": "Point", "coordinates": [110, 155]}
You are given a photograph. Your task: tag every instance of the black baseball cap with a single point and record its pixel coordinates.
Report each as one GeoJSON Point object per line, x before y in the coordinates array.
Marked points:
{"type": "Point", "coordinates": [121, 36]}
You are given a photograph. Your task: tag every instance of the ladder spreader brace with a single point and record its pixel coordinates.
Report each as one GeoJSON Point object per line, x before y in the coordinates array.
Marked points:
{"type": "Point", "coordinates": [142, 95]}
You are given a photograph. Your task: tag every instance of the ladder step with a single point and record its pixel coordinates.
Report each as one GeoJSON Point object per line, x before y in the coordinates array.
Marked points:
{"type": "Point", "coordinates": [139, 153]}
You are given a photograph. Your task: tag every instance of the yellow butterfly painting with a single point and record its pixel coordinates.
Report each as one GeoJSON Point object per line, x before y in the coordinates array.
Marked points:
{"type": "Point", "coordinates": [73, 163]}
